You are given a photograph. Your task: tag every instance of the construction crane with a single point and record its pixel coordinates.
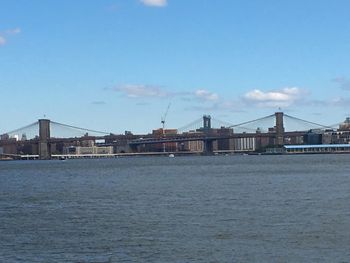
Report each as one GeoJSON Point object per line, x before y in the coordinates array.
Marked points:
{"type": "Point", "coordinates": [163, 118]}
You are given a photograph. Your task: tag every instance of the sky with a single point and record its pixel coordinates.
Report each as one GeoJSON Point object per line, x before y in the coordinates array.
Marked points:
{"type": "Point", "coordinates": [116, 65]}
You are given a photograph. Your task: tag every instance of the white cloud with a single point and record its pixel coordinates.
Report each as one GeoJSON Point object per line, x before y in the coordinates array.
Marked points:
{"type": "Point", "coordinates": [156, 3]}
{"type": "Point", "coordinates": [9, 32]}
{"type": "Point", "coordinates": [226, 106]}
{"type": "Point", "coordinates": [142, 91]}
{"type": "Point", "coordinates": [2, 40]}
{"type": "Point", "coordinates": [206, 95]}
{"type": "Point", "coordinates": [275, 98]}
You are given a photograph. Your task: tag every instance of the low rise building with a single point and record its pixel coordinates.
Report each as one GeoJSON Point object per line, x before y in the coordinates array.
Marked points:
{"type": "Point", "coordinates": [247, 144]}
{"type": "Point", "coordinates": [92, 150]}
{"type": "Point", "coordinates": [320, 148]}
{"type": "Point", "coordinates": [160, 147]}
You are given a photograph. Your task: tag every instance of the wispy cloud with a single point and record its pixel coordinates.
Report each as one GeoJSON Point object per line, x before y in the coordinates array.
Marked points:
{"type": "Point", "coordinates": [284, 97]}
{"type": "Point", "coordinates": [205, 95]}
{"type": "Point", "coordinates": [2, 40]}
{"type": "Point", "coordinates": [201, 108]}
{"type": "Point", "coordinates": [98, 102]}
{"type": "Point", "coordinates": [142, 91]}
{"type": "Point", "coordinates": [112, 8]}
{"type": "Point", "coordinates": [340, 102]}
{"type": "Point", "coordinates": [9, 32]}
{"type": "Point", "coordinates": [219, 107]}
{"type": "Point", "coordinates": [344, 83]}
{"type": "Point", "coordinates": [13, 31]}
{"type": "Point", "coordinates": [197, 100]}
{"type": "Point", "coordinates": [143, 104]}
{"type": "Point", "coordinates": [155, 3]}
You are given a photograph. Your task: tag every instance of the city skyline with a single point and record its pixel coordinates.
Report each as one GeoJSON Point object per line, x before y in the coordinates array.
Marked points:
{"type": "Point", "coordinates": [116, 65]}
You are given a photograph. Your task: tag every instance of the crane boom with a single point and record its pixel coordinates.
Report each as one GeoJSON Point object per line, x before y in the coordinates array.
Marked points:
{"type": "Point", "coordinates": [164, 116]}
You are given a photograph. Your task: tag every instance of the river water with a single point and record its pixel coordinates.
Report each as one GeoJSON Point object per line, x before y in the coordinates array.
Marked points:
{"type": "Point", "coordinates": [183, 209]}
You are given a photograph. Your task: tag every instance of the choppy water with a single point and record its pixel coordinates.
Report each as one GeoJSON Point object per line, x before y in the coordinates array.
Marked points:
{"type": "Point", "coordinates": [182, 209]}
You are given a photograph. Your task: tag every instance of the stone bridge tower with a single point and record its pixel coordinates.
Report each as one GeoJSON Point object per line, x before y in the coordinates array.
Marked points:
{"type": "Point", "coordinates": [279, 128]}
{"type": "Point", "coordinates": [44, 137]}
{"type": "Point", "coordinates": [208, 143]}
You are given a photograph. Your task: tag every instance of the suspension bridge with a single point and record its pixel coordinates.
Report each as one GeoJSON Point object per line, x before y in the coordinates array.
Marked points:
{"type": "Point", "coordinates": [46, 137]}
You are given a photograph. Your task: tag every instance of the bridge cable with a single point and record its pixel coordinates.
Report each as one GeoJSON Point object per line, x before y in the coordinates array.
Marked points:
{"type": "Point", "coordinates": [247, 122]}
{"type": "Point", "coordinates": [222, 122]}
{"type": "Point", "coordinates": [23, 128]}
{"type": "Point", "coordinates": [81, 129]}
{"type": "Point", "coordinates": [309, 122]}
{"type": "Point", "coordinates": [190, 124]}
{"type": "Point", "coordinates": [230, 125]}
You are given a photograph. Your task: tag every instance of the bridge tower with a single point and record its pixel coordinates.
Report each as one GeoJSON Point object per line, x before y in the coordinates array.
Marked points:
{"type": "Point", "coordinates": [206, 123]}
{"type": "Point", "coordinates": [44, 136]}
{"type": "Point", "coordinates": [279, 128]}
{"type": "Point", "coordinates": [208, 143]}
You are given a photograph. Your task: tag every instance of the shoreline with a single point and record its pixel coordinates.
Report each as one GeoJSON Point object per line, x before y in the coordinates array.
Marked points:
{"type": "Point", "coordinates": [158, 154]}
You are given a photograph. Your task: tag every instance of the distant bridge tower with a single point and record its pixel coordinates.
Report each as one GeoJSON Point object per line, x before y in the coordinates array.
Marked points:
{"type": "Point", "coordinates": [206, 122]}
{"type": "Point", "coordinates": [44, 137]}
{"type": "Point", "coordinates": [279, 128]}
{"type": "Point", "coordinates": [208, 143]}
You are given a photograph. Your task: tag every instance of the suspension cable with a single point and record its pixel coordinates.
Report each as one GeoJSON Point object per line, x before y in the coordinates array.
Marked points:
{"type": "Point", "coordinates": [78, 128]}
{"type": "Point", "coordinates": [247, 122]}
{"type": "Point", "coordinates": [190, 124]}
{"type": "Point", "coordinates": [23, 128]}
{"type": "Point", "coordinates": [222, 122]}
{"type": "Point", "coordinates": [309, 122]}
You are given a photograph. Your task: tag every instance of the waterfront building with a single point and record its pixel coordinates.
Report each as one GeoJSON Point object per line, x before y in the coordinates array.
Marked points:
{"type": "Point", "coordinates": [321, 148]}
{"type": "Point", "coordinates": [81, 150]}
{"type": "Point", "coordinates": [195, 146]}
{"type": "Point", "coordinates": [192, 146]}
{"type": "Point", "coordinates": [245, 144]}
{"type": "Point", "coordinates": [345, 126]}
{"type": "Point", "coordinates": [4, 137]}
{"type": "Point", "coordinates": [313, 137]}
{"type": "Point", "coordinates": [336, 137]}
{"type": "Point", "coordinates": [225, 144]}
{"type": "Point", "coordinates": [160, 147]}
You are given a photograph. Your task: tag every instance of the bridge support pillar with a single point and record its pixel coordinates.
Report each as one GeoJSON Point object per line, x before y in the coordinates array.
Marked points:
{"type": "Point", "coordinates": [133, 148]}
{"type": "Point", "coordinates": [208, 147]}
{"type": "Point", "coordinates": [279, 128]}
{"type": "Point", "coordinates": [44, 137]}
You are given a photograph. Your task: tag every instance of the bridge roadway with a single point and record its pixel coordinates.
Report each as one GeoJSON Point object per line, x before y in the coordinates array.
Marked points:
{"type": "Point", "coordinates": [58, 140]}
{"type": "Point", "coordinates": [134, 140]}
{"type": "Point", "coordinates": [207, 137]}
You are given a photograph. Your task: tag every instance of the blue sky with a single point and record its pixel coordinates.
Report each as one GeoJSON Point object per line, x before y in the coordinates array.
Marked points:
{"type": "Point", "coordinates": [115, 65]}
